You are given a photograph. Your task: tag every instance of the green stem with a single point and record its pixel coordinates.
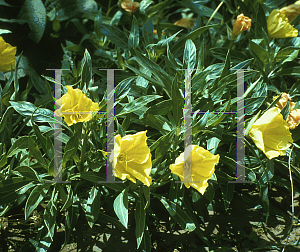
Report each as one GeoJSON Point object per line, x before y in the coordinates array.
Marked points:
{"type": "Point", "coordinates": [230, 44]}
{"type": "Point", "coordinates": [83, 149]}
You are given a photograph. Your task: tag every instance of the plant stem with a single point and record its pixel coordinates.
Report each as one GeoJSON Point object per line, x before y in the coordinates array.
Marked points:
{"type": "Point", "coordinates": [83, 149]}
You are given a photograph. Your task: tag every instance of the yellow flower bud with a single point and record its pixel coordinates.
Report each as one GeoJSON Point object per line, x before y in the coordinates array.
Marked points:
{"type": "Point", "coordinates": [241, 24]}
{"type": "Point", "coordinates": [130, 6]}
{"type": "Point", "coordinates": [279, 26]}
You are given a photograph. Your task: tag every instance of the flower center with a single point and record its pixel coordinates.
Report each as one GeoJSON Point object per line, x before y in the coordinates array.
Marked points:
{"type": "Point", "coordinates": [122, 158]}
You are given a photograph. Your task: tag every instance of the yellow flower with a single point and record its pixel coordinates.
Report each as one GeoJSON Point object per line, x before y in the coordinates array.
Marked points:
{"type": "Point", "coordinates": [241, 24]}
{"type": "Point", "coordinates": [186, 22]}
{"type": "Point", "coordinates": [202, 165]}
{"type": "Point", "coordinates": [291, 11]}
{"type": "Point", "coordinates": [7, 55]}
{"type": "Point", "coordinates": [271, 133]}
{"type": "Point", "coordinates": [279, 26]}
{"type": "Point", "coordinates": [132, 158]}
{"type": "Point", "coordinates": [76, 106]}
{"type": "Point", "coordinates": [130, 6]}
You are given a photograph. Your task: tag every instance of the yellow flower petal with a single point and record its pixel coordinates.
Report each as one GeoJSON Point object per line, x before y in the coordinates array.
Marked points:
{"type": "Point", "coordinates": [271, 133]}
{"type": "Point", "coordinates": [203, 166]}
{"type": "Point", "coordinates": [132, 158]}
{"type": "Point", "coordinates": [279, 26]}
{"type": "Point", "coordinates": [79, 108]}
{"type": "Point", "coordinates": [291, 11]}
{"type": "Point", "coordinates": [7, 55]}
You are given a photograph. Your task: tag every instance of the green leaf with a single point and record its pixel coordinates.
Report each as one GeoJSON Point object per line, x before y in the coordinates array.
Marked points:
{"type": "Point", "coordinates": [121, 207]}
{"type": "Point", "coordinates": [45, 142]}
{"type": "Point", "coordinates": [226, 68]}
{"type": "Point", "coordinates": [40, 114]}
{"type": "Point", "coordinates": [92, 206]}
{"type": "Point", "coordinates": [227, 194]}
{"type": "Point", "coordinates": [180, 216]}
{"type": "Point", "coordinates": [97, 23]}
{"type": "Point", "coordinates": [189, 55]}
{"type": "Point", "coordinates": [137, 103]}
{"type": "Point", "coordinates": [50, 214]}
{"type": "Point", "coordinates": [285, 111]}
{"type": "Point", "coordinates": [210, 193]}
{"type": "Point", "coordinates": [261, 22]}
{"type": "Point", "coordinates": [28, 172]}
{"type": "Point", "coordinates": [133, 40]}
{"type": "Point", "coordinates": [35, 197]}
{"type": "Point", "coordinates": [115, 35]}
{"type": "Point", "coordinates": [192, 35]}
{"type": "Point", "coordinates": [177, 100]}
{"type": "Point", "coordinates": [34, 12]}
{"type": "Point", "coordinates": [258, 52]}
{"type": "Point", "coordinates": [161, 108]}
{"type": "Point", "coordinates": [35, 152]}
{"type": "Point", "coordinates": [140, 216]}
{"type": "Point", "coordinates": [7, 114]}
{"type": "Point", "coordinates": [72, 215]}
{"type": "Point", "coordinates": [164, 78]}
{"type": "Point", "coordinates": [292, 71]}
{"type": "Point", "coordinates": [69, 9]}
{"type": "Point", "coordinates": [20, 144]}
{"type": "Point", "coordinates": [12, 188]}
{"type": "Point", "coordinates": [147, 31]}
{"type": "Point", "coordinates": [87, 71]}
{"type": "Point", "coordinates": [263, 194]}
{"type": "Point", "coordinates": [286, 54]}
{"type": "Point", "coordinates": [221, 54]}
{"type": "Point", "coordinates": [200, 9]}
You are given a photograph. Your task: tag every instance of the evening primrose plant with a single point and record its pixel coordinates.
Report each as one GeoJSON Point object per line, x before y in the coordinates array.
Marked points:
{"type": "Point", "coordinates": [56, 160]}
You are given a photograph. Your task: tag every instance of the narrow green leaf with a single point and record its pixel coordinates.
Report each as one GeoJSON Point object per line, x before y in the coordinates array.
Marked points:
{"type": "Point", "coordinates": [121, 207]}
{"type": "Point", "coordinates": [35, 197]}
{"type": "Point", "coordinates": [134, 37]}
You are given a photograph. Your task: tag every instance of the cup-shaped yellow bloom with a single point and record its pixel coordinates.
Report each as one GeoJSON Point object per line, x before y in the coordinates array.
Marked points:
{"type": "Point", "coordinates": [279, 26]}
{"type": "Point", "coordinates": [241, 24]}
{"type": "Point", "coordinates": [7, 55]}
{"type": "Point", "coordinates": [271, 133]}
{"type": "Point", "coordinates": [291, 11]}
{"type": "Point", "coordinates": [76, 107]}
{"type": "Point", "coordinates": [131, 158]}
{"type": "Point", "coordinates": [202, 164]}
